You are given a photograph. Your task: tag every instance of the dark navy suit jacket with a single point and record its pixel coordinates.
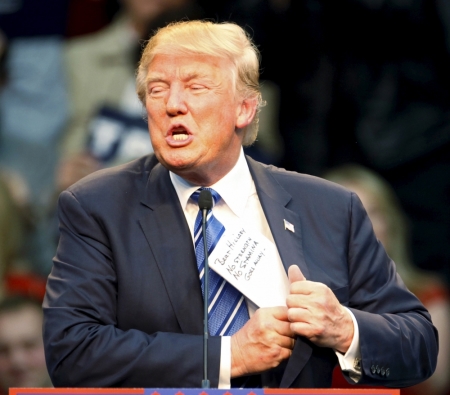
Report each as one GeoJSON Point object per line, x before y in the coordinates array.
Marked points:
{"type": "Point", "coordinates": [123, 306]}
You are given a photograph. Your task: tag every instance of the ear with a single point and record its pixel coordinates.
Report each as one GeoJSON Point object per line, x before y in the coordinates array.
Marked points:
{"type": "Point", "coordinates": [245, 112]}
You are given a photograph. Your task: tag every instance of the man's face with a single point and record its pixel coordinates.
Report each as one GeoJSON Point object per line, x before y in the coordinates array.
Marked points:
{"type": "Point", "coordinates": [22, 361]}
{"type": "Point", "coordinates": [193, 115]}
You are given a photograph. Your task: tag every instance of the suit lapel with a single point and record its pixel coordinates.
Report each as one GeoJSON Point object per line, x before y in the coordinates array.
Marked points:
{"type": "Point", "coordinates": [167, 233]}
{"type": "Point", "coordinates": [274, 201]}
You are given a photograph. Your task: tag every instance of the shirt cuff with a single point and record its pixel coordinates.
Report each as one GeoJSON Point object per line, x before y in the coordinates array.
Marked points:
{"type": "Point", "coordinates": [350, 362]}
{"type": "Point", "coordinates": [225, 363]}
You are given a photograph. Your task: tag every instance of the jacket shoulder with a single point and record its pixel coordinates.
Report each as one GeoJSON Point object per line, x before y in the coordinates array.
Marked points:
{"type": "Point", "coordinates": [119, 182]}
{"type": "Point", "coordinates": [305, 185]}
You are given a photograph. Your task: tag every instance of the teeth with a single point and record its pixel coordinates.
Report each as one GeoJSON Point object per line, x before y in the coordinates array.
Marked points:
{"type": "Point", "coordinates": [180, 137]}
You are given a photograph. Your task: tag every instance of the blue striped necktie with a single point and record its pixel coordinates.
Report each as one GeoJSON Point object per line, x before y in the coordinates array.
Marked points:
{"type": "Point", "coordinates": [227, 311]}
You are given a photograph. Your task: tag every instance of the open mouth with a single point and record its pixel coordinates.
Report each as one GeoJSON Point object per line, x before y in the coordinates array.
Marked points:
{"type": "Point", "coordinates": [179, 133]}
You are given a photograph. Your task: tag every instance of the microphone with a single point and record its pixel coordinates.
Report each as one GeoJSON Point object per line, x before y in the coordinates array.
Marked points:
{"type": "Point", "coordinates": [205, 203]}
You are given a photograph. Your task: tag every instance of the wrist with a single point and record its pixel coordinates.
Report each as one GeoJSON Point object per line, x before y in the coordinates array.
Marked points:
{"type": "Point", "coordinates": [347, 333]}
{"type": "Point", "coordinates": [238, 367]}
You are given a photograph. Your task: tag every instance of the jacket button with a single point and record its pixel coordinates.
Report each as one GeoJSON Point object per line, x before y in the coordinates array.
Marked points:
{"type": "Point", "coordinates": [383, 371]}
{"type": "Point", "coordinates": [373, 369]}
{"type": "Point", "coordinates": [378, 370]}
{"type": "Point", "coordinates": [387, 372]}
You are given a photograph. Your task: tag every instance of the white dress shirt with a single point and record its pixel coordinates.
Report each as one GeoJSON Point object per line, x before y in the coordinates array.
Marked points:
{"type": "Point", "coordinates": [240, 203]}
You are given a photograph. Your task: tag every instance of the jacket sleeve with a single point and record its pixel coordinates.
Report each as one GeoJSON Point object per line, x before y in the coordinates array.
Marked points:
{"type": "Point", "coordinates": [398, 341]}
{"type": "Point", "coordinates": [86, 345]}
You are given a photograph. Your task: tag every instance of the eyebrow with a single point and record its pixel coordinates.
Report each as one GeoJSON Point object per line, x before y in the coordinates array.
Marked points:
{"type": "Point", "coordinates": [192, 74]}
{"type": "Point", "coordinates": [154, 78]}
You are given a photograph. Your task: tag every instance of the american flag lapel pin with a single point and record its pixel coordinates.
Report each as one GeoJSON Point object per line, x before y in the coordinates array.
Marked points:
{"type": "Point", "coordinates": [289, 226]}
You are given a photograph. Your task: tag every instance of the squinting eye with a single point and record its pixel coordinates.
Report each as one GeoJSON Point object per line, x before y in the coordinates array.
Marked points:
{"type": "Point", "coordinates": [156, 90]}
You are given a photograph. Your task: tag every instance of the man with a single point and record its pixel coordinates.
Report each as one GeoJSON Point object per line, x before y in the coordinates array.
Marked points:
{"type": "Point", "coordinates": [101, 76]}
{"type": "Point", "coordinates": [124, 300]}
{"type": "Point", "coordinates": [22, 360]}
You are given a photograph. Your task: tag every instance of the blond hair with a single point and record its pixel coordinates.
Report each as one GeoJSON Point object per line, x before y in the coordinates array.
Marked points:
{"type": "Point", "coordinates": [225, 40]}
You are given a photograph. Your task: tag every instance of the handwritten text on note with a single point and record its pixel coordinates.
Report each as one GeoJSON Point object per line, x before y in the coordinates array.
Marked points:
{"type": "Point", "coordinates": [247, 260]}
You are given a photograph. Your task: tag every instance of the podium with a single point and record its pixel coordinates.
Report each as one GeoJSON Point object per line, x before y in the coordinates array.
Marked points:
{"type": "Point", "coordinates": [200, 391]}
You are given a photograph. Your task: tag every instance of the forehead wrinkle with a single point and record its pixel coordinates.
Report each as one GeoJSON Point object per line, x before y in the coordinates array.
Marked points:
{"type": "Point", "coordinates": [190, 73]}
{"type": "Point", "coordinates": [183, 75]}
{"type": "Point", "coordinates": [154, 77]}
{"type": "Point", "coordinates": [213, 73]}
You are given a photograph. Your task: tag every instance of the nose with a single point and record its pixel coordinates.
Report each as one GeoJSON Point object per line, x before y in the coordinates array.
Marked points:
{"type": "Point", "coordinates": [176, 101]}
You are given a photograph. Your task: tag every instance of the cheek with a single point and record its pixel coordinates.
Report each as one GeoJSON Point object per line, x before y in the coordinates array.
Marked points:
{"type": "Point", "coordinates": [155, 112]}
{"type": "Point", "coordinates": [155, 129]}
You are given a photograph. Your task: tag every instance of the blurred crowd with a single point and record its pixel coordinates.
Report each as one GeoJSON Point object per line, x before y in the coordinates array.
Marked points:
{"type": "Point", "coordinates": [357, 91]}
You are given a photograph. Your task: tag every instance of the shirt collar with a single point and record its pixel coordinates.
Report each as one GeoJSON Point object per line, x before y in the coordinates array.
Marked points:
{"type": "Point", "coordinates": [234, 188]}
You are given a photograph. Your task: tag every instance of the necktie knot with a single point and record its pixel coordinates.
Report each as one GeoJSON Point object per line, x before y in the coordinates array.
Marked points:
{"type": "Point", "coordinates": [216, 197]}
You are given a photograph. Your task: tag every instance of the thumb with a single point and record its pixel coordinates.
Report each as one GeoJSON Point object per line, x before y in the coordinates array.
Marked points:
{"type": "Point", "coordinates": [295, 274]}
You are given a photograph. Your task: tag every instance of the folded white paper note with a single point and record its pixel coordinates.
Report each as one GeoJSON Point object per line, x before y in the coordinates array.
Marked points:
{"type": "Point", "coordinates": [247, 260]}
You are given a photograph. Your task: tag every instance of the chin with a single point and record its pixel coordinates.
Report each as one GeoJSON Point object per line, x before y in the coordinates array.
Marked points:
{"type": "Point", "coordinates": [175, 161]}
{"type": "Point", "coordinates": [175, 166]}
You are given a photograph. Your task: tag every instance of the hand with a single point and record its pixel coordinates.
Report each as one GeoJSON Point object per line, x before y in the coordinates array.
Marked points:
{"type": "Point", "coordinates": [262, 343]}
{"type": "Point", "coordinates": [315, 313]}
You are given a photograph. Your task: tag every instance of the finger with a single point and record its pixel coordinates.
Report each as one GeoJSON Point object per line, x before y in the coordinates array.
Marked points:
{"type": "Point", "coordinates": [286, 342]}
{"type": "Point", "coordinates": [308, 287]}
{"type": "Point", "coordinates": [284, 329]}
{"type": "Point", "coordinates": [295, 274]}
{"type": "Point", "coordinates": [298, 314]}
{"type": "Point", "coordinates": [283, 336]}
{"type": "Point", "coordinates": [299, 300]}
{"type": "Point", "coordinates": [279, 313]}
{"type": "Point", "coordinates": [304, 329]}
